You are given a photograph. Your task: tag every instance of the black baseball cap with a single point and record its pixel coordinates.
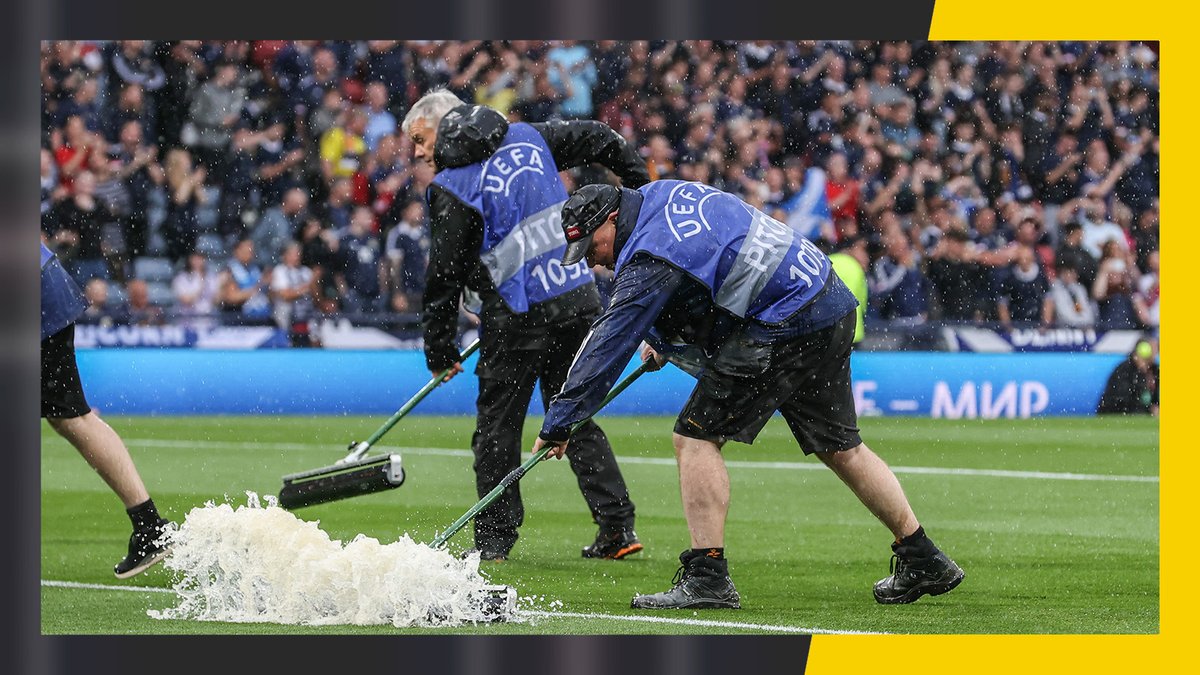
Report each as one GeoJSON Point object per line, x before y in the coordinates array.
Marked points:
{"type": "Point", "coordinates": [583, 214]}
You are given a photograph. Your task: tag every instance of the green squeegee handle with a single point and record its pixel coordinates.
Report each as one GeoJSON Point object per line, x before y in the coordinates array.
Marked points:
{"type": "Point", "coordinates": [357, 450]}
{"type": "Point", "coordinates": [516, 474]}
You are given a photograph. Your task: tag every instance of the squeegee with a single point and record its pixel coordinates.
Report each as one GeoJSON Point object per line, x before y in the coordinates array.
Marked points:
{"type": "Point", "coordinates": [356, 474]}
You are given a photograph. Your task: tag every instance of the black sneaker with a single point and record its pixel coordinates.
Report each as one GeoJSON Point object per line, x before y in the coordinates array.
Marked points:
{"type": "Point", "coordinates": [916, 572]}
{"type": "Point", "coordinates": [700, 583]}
{"type": "Point", "coordinates": [613, 545]}
{"type": "Point", "coordinates": [146, 549]}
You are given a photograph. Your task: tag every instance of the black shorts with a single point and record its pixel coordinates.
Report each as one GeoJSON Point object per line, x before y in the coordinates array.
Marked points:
{"type": "Point", "coordinates": [62, 392]}
{"type": "Point", "coordinates": [806, 379]}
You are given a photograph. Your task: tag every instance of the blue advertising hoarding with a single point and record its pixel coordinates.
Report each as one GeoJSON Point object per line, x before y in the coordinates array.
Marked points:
{"type": "Point", "coordinates": [325, 382]}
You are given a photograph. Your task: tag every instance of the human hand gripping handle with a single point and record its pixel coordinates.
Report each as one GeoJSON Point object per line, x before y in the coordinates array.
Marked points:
{"type": "Point", "coordinates": [541, 450]}
{"type": "Point", "coordinates": [651, 361]}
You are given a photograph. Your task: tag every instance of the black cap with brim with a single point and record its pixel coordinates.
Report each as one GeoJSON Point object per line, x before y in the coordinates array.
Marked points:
{"type": "Point", "coordinates": [583, 214]}
{"type": "Point", "coordinates": [576, 251]}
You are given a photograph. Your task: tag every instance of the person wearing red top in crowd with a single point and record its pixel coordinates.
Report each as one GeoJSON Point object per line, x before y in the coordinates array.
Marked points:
{"type": "Point", "coordinates": [841, 189]}
{"type": "Point", "coordinates": [75, 150]}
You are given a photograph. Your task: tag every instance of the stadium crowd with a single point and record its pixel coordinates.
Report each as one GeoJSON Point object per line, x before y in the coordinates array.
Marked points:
{"type": "Point", "coordinates": [1009, 182]}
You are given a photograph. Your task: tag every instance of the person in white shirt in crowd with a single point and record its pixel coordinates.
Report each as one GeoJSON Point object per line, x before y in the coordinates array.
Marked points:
{"type": "Point", "coordinates": [292, 296]}
{"type": "Point", "coordinates": [1067, 303]}
{"type": "Point", "coordinates": [195, 289]}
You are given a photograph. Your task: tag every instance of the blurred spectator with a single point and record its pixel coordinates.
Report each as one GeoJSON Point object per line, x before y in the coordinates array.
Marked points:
{"type": "Point", "coordinates": [1059, 171]}
{"type": "Point", "coordinates": [215, 111]}
{"type": "Point", "coordinates": [342, 147]}
{"type": "Point", "coordinates": [897, 288]}
{"type": "Point", "coordinates": [983, 230]}
{"type": "Point", "coordinates": [76, 150]}
{"type": "Point", "coordinates": [340, 204]}
{"type": "Point", "coordinates": [841, 189]}
{"type": "Point", "coordinates": [277, 160]}
{"type": "Point", "coordinates": [387, 63]}
{"type": "Point", "coordinates": [544, 105]}
{"type": "Point", "coordinates": [185, 193]}
{"type": "Point", "coordinates": [380, 121]}
{"type": "Point", "coordinates": [318, 245]}
{"type": "Point", "coordinates": [1113, 289]}
{"type": "Point", "coordinates": [1146, 299]}
{"type": "Point", "coordinates": [280, 225]}
{"type": "Point", "coordinates": [406, 254]}
{"type": "Point", "coordinates": [387, 174]}
{"type": "Point", "coordinates": [130, 107]}
{"type": "Point", "coordinates": [324, 116]}
{"type": "Point", "coordinates": [83, 103]}
{"type": "Point", "coordinates": [1021, 289]}
{"type": "Point", "coordinates": [132, 63]}
{"type": "Point", "coordinates": [99, 311]}
{"type": "Point", "coordinates": [572, 71]}
{"type": "Point", "coordinates": [315, 80]}
{"type": "Point", "coordinates": [850, 263]}
{"type": "Point", "coordinates": [195, 288]}
{"type": "Point", "coordinates": [51, 191]}
{"type": "Point", "coordinates": [660, 158]}
{"type": "Point", "coordinates": [884, 92]}
{"type": "Point", "coordinates": [497, 89]}
{"type": "Point", "coordinates": [359, 273]}
{"type": "Point", "coordinates": [1067, 304]}
{"type": "Point", "coordinates": [1097, 228]}
{"type": "Point", "coordinates": [292, 296]}
{"type": "Point", "coordinates": [75, 226]}
{"type": "Point", "coordinates": [235, 207]}
{"type": "Point", "coordinates": [1133, 386]}
{"type": "Point", "coordinates": [1072, 253]}
{"type": "Point", "coordinates": [244, 285]}
{"type": "Point", "coordinates": [1145, 236]}
{"type": "Point", "coordinates": [132, 174]}
{"type": "Point", "coordinates": [958, 281]}
{"type": "Point", "coordinates": [184, 69]}
{"type": "Point", "coordinates": [140, 311]}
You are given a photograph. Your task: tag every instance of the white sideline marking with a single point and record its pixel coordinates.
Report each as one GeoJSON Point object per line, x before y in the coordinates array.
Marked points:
{"type": "Point", "coordinates": [700, 622]}
{"type": "Point", "coordinates": [104, 587]}
{"type": "Point", "coordinates": [662, 461]}
{"type": "Point", "coordinates": [562, 615]}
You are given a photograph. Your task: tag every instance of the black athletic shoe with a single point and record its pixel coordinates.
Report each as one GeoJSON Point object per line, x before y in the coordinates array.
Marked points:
{"type": "Point", "coordinates": [916, 572]}
{"type": "Point", "coordinates": [146, 549]}
{"type": "Point", "coordinates": [613, 545]}
{"type": "Point", "coordinates": [700, 583]}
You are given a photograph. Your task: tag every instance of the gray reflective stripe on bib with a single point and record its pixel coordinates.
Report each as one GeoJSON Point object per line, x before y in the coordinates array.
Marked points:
{"type": "Point", "coordinates": [763, 249]}
{"type": "Point", "coordinates": [538, 234]}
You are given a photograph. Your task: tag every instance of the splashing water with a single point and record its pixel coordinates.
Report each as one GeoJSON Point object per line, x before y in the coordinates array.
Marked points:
{"type": "Point", "coordinates": [259, 563]}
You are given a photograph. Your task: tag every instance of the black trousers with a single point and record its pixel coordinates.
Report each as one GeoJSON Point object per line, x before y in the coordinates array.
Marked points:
{"type": "Point", "coordinates": [510, 363]}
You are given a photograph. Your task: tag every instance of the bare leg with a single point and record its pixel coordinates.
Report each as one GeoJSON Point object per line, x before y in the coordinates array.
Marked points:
{"type": "Point", "coordinates": [875, 485]}
{"type": "Point", "coordinates": [704, 485]}
{"type": "Point", "coordinates": [106, 453]}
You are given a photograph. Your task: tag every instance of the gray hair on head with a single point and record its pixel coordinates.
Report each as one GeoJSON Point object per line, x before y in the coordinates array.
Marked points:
{"type": "Point", "coordinates": [432, 107]}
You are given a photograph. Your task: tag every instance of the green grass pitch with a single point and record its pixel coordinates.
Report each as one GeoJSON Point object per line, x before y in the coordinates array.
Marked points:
{"type": "Point", "coordinates": [1054, 520]}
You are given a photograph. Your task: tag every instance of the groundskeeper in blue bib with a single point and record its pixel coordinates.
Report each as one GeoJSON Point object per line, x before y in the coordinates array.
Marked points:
{"type": "Point", "coordinates": [519, 195]}
{"type": "Point", "coordinates": [755, 266]}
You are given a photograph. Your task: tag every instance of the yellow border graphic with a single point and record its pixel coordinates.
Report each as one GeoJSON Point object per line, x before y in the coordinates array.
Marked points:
{"type": "Point", "coordinates": [1167, 651]}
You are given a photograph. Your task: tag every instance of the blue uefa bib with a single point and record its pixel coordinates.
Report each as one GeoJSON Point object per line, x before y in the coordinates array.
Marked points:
{"type": "Point", "coordinates": [62, 301]}
{"type": "Point", "coordinates": [755, 266]}
{"type": "Point", "coordinates": [519, 195]}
